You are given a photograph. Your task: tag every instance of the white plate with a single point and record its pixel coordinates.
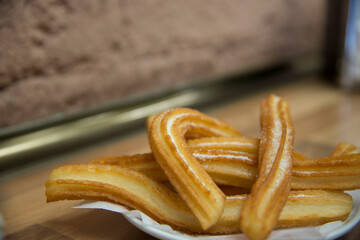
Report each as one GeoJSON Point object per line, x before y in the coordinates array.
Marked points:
{"type": "Point", "coordinates": [144, 223]}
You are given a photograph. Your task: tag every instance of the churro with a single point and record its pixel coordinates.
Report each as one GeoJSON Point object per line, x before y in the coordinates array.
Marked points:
{"type": "Point", "coordinates": [167, 132]}
{"type": "Point", "coordinates": [236, 144]}
{"type": "Point", "coordinates": [224, 167]}
{"type": "Point", "coordinates": [269, 193]}
{"type": "Point", "coordinates": [339, 172]}
{"type": "Point", "coordinates": [137, 191]}
{"type": "Point", "coordinates": [344, 148]}
{"type": "Point", "coordinates": [220, 182]}
{"type": "Point", "coordinates": [236, 168]}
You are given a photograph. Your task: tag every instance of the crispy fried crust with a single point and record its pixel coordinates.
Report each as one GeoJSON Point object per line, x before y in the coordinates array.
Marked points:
{"type": "Point", "coordinates": [167, 133]}
{"type": "Point", "coordinates": [136, 190]}
{"type": "Point", "coordinates": [344, 148]}
{"type": "Point", "coordinates": [194, 151]}
{"type": "Point", "coordinates": [236, 144]}
{"type": "Point", "coordinates": [269, 193]}
{"type": "Point", "coordinates": [235, 167]}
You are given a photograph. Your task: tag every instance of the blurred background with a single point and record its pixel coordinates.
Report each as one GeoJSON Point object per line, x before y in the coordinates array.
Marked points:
{"type": "Point", "coordinates": [86, 70]}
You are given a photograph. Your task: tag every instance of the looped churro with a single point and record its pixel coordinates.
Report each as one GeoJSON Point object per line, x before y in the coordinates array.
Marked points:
{"type": "Point", "coordinates": [193, 151]}
{"type": "Point", "coordinates": [270, 191]}
{"type": "Point", "coordinates": [167, 140]}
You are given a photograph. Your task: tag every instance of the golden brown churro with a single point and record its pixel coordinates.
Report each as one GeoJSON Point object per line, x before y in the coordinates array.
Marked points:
{"type": "Point", "coordinates": [236, 168]}
{"type": "Point", "coordinates": [268, 195]}
{"type": "Point", "coordinates": [344, 148]}
{"type": "Point", "coordinates": [194, 152]}
{"type": "Point", "coordinates": [167, 140]}
{"type": "Point", "coordinates": [224, 167]}
{"type": "Point", "coordinates": [137, 191]}
{"type": "Point", "coordinates": [237, 144]}
{"type": "Point", "coordinates": [340, 172]}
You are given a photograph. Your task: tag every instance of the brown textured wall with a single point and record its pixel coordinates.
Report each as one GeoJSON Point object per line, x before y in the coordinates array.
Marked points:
{"type": "Point", "coordinates": [61, 56]}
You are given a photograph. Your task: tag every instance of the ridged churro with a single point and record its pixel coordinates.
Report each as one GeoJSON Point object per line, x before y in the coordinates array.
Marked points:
{"type": "Point", "coordinates": [225, 167]}
{"type": "Point", "coordinates": [137, 191]}
{"type": "Point", "coordinates": [237, 144]}
{"type": "Point", "coordinates": [269, 193]}
{"type": "Point", "coordinates": [205, 159]}
{"type": "Point", "coordinates": [337, 172]}
{"type": "Point", "coordinates": [167, 132]}
{"type": "Point", "coordinates": [236, 168]}
{"type": "Point", "coordinates": [344, 148]}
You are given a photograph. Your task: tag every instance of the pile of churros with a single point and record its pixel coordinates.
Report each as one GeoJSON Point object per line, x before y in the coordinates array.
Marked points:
{"type": "Point", "coordinates": [204, 177]}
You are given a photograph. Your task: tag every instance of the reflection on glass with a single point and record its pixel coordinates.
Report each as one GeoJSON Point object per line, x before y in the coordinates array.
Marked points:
{"type": "Point", "coordinates": [351, 63]}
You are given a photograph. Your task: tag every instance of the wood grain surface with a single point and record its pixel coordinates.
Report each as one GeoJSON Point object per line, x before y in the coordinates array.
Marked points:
{"type": "Point", "coordinates": [323, 115]}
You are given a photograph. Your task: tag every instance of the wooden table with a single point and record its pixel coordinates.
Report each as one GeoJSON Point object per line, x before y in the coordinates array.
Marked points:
{"type": "Point", "coordinates": [323, 115]}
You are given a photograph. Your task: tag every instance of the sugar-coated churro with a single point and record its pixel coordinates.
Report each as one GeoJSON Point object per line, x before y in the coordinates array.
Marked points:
{"type": "Point", "coordinates": [167, 132]}
{"type": "Point", "coordinates": [137, 191]}
{"type": "Point", "coordinates": [269, 193]}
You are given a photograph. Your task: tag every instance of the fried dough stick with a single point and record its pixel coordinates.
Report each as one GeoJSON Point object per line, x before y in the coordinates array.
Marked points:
{"type": "Point", "coordinates": [344, 148]}
{"type": "Point", "coordinates": [239, 169]}
{"type": "Point", "coordinates": [135, 190]}
{"type": "Point", "coordinates": [236, 144]}
{"type": "Point", "coordinates": [340, 171]}
{"type": "Point", "coordinates": [167, 132]}
{"type": "Point", "coordinates": [268, 195]}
